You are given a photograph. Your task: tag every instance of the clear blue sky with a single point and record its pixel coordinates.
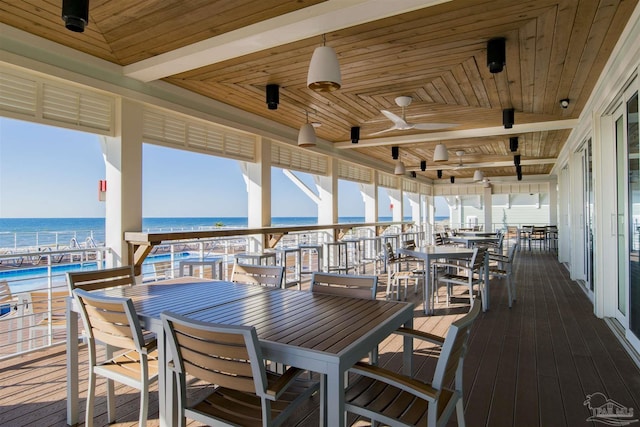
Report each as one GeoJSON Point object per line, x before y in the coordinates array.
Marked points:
{"type": "Point", "coordinates": [47, 171]}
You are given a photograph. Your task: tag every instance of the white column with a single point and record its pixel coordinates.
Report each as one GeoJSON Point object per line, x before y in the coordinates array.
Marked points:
{"type": "Point", "coordinates": [488, 209]}
{"type": "Point", "coordinates": [370, 198]}
{"type": "Point", "coordinates": [257, 177]}
{"type": "Point", "coordinates": [414, 202]}
{"type": "Point", "coordinates": [328, 192]}
{"type": "Point", "coordinates": [553, 202]}
{"type": "Point", "coordinates": [395, 199]}
{"type": "Point", "coordinates": [123, 160]}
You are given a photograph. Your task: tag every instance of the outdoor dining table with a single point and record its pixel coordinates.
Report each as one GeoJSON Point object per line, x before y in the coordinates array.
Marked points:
{"type": "Point", "coordinates": [431, 253]}
{"type": "Point", "coordinates": [470, 241]}
{"type": "Point", "coordinates": [325, 334]}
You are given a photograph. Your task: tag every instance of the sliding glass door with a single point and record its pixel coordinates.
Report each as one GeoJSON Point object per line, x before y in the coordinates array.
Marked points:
{"type": "Point", "coordinates": [627, 138]}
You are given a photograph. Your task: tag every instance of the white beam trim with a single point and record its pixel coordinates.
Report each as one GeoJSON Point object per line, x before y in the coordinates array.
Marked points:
{"type": "Point", "coordinates": [459, 134]}
{"type": "Point", "coordinates": [301, 185]}
{"type": "Point", "coordinates": [504, 163]}
{"type": "Point", "coordinates": [325, 17]}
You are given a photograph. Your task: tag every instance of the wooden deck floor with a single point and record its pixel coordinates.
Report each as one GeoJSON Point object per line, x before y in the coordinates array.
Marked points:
{"type": "Point", "coordinates": [532, 365]}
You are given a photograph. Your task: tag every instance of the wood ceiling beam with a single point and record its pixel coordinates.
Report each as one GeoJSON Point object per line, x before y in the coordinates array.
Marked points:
{"type": "Point", "coordinates": [322, 18]}
{"type": "Point", "coordinates": [459, 134]}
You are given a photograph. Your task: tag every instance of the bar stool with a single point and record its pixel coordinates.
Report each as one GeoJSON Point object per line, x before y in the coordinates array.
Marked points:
{"type": "Point", "coordinates": [336, 257]}
{"type": "Point", "coordinates": [311, 252]}
{"type": "Point", "coordinates": [256, 258]}
{"type": "Point", "coordinates": [291, 272]}
{"type": "Point", "coordinates": [354, 257]}
{"type": "Point", "coordinates": [371, 251]}
{"type": "Point", "coordinates": [216, 264]}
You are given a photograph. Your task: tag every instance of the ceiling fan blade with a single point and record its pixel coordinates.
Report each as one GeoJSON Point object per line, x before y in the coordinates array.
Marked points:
{"type": "Point", "coordinates": [433, 126]}
{"type": "Point", "coordinates": [384, 131]}
{"type": "Point", "coordinates": [397, 120]}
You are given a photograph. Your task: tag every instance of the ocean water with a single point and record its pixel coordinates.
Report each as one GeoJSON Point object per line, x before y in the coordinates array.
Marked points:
{"type": "Point", "coordinates": [37, 232]}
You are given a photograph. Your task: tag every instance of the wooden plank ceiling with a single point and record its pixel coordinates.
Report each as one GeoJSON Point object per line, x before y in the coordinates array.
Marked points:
{"type": "Point", "coordinates": [555, 49]}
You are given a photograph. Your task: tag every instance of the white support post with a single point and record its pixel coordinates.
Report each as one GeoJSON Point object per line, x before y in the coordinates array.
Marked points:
{"type": "Point", "coordinates": [553, 202]}
{"type": "Point", "coordinates": [328, 192]}
{"type": "Point", "coordinates": [123, 161]}
{"type": "Point", "coordinates": [257, 177]}
{"type": "Point", "coordinates": [395, 199]}
{"type": "Point", "coordinates": [488, 209]}
{"type": "Point", "coordinates": [370, 198]}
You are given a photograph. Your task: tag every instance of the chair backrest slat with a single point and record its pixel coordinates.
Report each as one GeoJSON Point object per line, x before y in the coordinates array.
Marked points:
{"type": "Point", "coordinates": [346, 285]}
{"type": "Point", "coordinates": [263, 275]}
{"type": "Point", "coordinates": [226, 355]}
{"type": "Point", "coordinates": [40, 302]}
{"type": "Point", "coordinates": [101, 279]}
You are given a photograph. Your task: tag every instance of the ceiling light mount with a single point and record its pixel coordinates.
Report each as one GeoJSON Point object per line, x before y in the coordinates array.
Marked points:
{"type": "Point", "coordinates": [508, 117]}
{"type": "Point", "coordinates": [496, 54]}
{"type": "Point", "coordinates": [355, 134]}
{"type": "Point", "coordinates": [564, 103]}
{"type": "Point", "coordinates": [273, 96]}
{"type": "Point", "coordinates": [324, 70]}
{"type": "Point", "coordinates": [513, 144]}
{"type": "Point", "coordinates": [395, 152]}
{"type": "Point", "coordinates": [75, 14]}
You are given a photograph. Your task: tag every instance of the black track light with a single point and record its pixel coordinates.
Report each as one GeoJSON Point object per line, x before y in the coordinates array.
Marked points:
{"type": "Point", "coordinates": [75, 14]}
{"type": "Point", "coordinates": [513, 144]}
{"type": "Point", "coordinates": [519, 173]}
{"type": "Point", "coordinates": [395, 153]}
{"type": "Point", "coordinates": [423, 165]}
{"type": "Point", "coordinates": [508, 117]}
{"type": "Point", "coordinates": [496, 54]}
{"type": "Point", "coordinates": [273, 96]}
{"type": "Point", "coordinates": [413, 174]}
{"type": "Point", "coordinates": [355, 134]}
{"type": "Point", "coordinates": [452, 179]}
{"type": "Point", "coordinates": [439, 173]}
{"type": "Point", "coordinates": [516, 160]}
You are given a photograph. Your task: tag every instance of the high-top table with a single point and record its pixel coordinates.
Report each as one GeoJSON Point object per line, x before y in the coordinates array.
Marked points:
{"type": "Point", "coordinates": [323, 333]}
{"type": "Point", "coordinates": [431, 253]}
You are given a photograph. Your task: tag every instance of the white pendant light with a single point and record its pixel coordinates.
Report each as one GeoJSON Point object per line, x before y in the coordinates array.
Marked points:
{"type": "Point", "coordinates": [307, 135]}
{"type": "Point", "coordinates": [478, 175]}
{"type": "Point", "coordinates": [324, 70]}
{"type": "Point", "coordinates": [400, 169]}
{"type": "Point", "coordinates": [440, 154]}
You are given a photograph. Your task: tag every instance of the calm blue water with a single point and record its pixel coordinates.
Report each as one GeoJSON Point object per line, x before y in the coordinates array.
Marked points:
{"type": "Point", "coordinates": [32, 232]}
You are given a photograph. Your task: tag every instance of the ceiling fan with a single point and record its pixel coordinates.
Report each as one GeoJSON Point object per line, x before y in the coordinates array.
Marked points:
{"type": "Point", "coordinates": [400, 123]}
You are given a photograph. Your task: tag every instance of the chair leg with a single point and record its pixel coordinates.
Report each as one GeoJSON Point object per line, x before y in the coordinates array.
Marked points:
{"type": "Point", "coordinates": [460, 413]}
{"type": "Point", "coordinates": [111, 394]}
{"type": "Point", "coordinates": [91, 392]}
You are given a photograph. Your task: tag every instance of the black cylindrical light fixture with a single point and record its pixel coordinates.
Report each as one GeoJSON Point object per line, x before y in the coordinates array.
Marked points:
{"type": "Point", "coordinates": [508, 117]}
{"type": "Point", "coordinates": [496, 54]}
{"type": "Point", "coordinates": [355, 134]}
{"type": "Point", "coordinates": [513, 144]}
{"type": "Point", "coordinates": [423, 165]}
{"type": "Point", "coordinates": [395, 153]}
{"type": "Point", "coordinates": [452, 179]}
{"type": "Point", "coordinates": [439, 173]}
{"type": "Point", "coordinates": [413, 174]}
{"type": "Point", "coordinates": [519, 173]}
{"type": "Point", "coordinates": [75, 14]}
{"type": "Point", "coordinates": [273, 96]}
{"type": "Point", "coordinates": [516, 160]}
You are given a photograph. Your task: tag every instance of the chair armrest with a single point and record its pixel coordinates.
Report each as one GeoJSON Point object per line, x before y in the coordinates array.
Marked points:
{"type": "Point", "coordinates": [277, 385]}
{"type": "Point", "coordinates": [447, 264]}
{"type": "Point", "coordinates": [424, 336]}
{"type": "Point", "coordinates": [408, 384]}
